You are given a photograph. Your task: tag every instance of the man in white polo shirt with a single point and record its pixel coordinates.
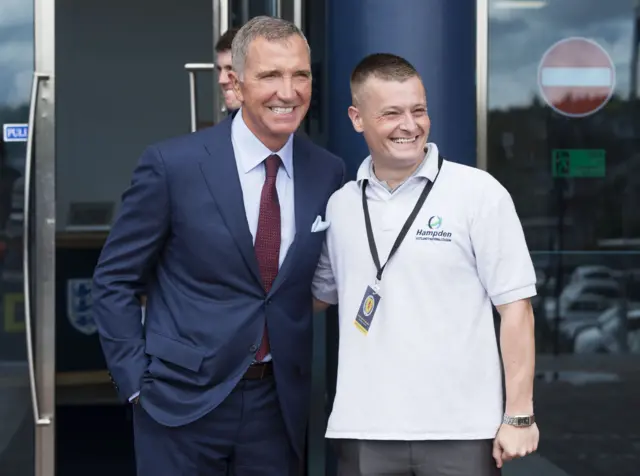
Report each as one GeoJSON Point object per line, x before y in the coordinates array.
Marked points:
{"type": "Point", "coordinates": [418, 249]}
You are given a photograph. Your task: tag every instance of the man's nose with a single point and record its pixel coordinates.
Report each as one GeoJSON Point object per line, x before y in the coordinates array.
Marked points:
{"type": "Point", "coordinates": [408, 123]}
{"type": "Point", "coordinates": [223, 78]}
{"type": "Point", "coordinates": [286, 91]}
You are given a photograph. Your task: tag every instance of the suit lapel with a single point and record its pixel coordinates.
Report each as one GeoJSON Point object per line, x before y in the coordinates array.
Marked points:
{"type": "Point", "coordinates": [221, 175]}
{"type": "Point", "coordinates": [305, 194]}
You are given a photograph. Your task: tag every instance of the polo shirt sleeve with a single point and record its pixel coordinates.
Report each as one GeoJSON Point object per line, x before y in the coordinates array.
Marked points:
{"type": "Point", "coordinates": [502, 257]}
{"type": "Point", "coordinates": [323, 285]}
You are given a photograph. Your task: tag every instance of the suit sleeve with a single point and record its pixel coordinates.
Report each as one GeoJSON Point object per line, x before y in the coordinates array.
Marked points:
{"type": "Point", "coordinates": [129, 255]}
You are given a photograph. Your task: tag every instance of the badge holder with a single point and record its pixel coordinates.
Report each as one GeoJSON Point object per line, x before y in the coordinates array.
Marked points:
{"type": "Point", "coordinates": [368, 308]}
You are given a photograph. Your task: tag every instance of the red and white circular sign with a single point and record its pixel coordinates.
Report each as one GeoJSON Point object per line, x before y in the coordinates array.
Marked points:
{"type": "Point", "coordinates": [576, 77]}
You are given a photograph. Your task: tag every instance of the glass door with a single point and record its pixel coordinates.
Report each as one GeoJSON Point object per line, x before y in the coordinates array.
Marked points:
{"type": "Point", "coordinates": [120, 86]}
{"type": "Point", "coordinates": [27, 220]}
{"type": "Point", "coordinates": [563, 136]}
{"type": "Point", "coordinates": [231, 14]}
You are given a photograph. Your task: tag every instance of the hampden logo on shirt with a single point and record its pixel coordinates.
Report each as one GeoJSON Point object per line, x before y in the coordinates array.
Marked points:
{"type": "Point", "coordinates": [434, 231]}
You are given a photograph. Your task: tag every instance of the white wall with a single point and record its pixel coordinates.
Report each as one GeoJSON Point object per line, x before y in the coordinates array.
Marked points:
{"type": "Point", "coordinates": [121, 85]}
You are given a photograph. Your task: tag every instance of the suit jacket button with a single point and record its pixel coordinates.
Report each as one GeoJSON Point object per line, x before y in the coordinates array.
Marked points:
{"type": "Point", "coordinates": [253, 348]}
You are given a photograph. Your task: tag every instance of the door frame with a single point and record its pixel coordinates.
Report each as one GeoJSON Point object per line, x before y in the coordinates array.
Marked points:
{"type": "Point", "coordinates": [482, 73]}
{"type": "Point", "coordinates": [39, 239]}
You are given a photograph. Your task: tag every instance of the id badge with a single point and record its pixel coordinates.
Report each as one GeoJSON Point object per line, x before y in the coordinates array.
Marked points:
{"type": "Point", "coordinates": [367, 310]}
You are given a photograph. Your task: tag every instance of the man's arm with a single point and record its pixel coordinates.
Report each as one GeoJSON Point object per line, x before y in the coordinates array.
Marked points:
{"type": "Point", "coordinates": [517, 343]}
{"type": "Point", "coordinates": [323, 286]}
{"type": "Point", "coordinates": [506, 270]}
{"type": "Point", "coordinates": [127, 258]}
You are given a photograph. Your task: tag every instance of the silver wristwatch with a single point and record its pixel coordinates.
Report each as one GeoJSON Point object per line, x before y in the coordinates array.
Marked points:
{"type": "Point", "coordinates": [519, 421]}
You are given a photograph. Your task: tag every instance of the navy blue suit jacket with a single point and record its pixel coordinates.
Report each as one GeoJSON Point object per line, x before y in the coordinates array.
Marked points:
{"type": "Point", "coordinates": [182, 239]}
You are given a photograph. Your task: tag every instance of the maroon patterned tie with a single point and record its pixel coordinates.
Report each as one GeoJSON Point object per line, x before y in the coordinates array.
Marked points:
{"type": "Point", "coordinates": [267, 243]}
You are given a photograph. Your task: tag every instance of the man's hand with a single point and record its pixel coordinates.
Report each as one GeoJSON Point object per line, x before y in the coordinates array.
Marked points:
{"type": "Point", "coordinates": [319, 306]}
{"type": "Point", "coordinates": [512, 442]}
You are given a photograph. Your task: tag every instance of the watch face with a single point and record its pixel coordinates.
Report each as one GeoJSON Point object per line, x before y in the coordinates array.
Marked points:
{"type": "Point", "coordinates": [522, 421]}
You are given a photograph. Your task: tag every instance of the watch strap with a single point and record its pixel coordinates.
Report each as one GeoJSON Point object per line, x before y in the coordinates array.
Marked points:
{"type": "Point", "coordinates": [519, 421]}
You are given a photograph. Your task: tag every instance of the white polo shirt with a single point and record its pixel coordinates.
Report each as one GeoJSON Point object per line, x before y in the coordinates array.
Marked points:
{"type": "Point", "coordinates": [429, 368]}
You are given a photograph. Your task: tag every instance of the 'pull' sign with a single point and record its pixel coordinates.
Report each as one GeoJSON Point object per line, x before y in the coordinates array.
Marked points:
{"type": "Point", "coordinates": [15, 132]}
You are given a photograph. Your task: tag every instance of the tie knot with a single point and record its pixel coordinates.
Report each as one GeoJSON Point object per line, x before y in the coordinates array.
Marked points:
{"type": "Point", "coordinates": [272, 164]}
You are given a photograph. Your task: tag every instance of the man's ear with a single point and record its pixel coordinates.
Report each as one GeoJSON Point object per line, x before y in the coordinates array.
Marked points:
{"type": "Point", "coordinates": [235, 83]}
{"type": "Point", "coordinates": [356, 119]}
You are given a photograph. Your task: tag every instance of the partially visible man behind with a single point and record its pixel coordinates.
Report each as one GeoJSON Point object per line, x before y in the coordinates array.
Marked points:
{"type": "Point", "coordinates": [219, 230]}
{"type": "Point", "coordinates": [224, 67]}
{"type": "Point", "coordinates": [418, 250]}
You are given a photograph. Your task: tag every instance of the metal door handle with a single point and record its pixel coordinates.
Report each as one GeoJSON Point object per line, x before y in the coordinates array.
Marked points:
{"type": "Point", "coordinates": [37, 79]}
{"type": "Point", "coordinates": [192, 69]}
{"type": "Point", "coordinates": [220, 26]}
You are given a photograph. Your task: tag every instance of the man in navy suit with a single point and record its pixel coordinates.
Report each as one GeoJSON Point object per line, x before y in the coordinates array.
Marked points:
{"type": "Point", "coordinates": [222, 230]}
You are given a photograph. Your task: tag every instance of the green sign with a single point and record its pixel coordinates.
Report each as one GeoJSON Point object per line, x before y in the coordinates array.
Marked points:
{"type": "Point", "coordinates": [578, 163]}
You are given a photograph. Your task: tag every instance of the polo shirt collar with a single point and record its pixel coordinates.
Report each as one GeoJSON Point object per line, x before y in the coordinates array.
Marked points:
{"type": "Point", "coordinates": [427, 169]}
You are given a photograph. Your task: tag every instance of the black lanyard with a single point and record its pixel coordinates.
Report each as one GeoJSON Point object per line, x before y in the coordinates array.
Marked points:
{"type": "Point", "coordinates": [405, 227]}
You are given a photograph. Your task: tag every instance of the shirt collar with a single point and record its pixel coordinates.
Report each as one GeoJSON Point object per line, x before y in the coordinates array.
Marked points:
{"type": "Point", "coordinates": [250, 152]}
{"type": "Point", "coordinates": [427, 169]}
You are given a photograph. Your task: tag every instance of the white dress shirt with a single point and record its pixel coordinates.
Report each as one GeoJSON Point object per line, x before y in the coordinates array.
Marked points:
{"type": "Point", "coordinates": [250, 155]}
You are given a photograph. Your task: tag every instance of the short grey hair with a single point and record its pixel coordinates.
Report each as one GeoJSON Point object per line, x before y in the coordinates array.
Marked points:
{"type": "Point", "coordinates": [269, 28]}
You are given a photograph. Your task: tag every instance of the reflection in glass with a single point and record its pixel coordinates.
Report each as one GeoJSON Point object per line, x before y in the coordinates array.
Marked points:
{"type": "Point", "coordinates": [16, 69]}
{"type": "Point", "coordinates": [566, 211]}
{"type": "Point", "coordinates": [575, 182]}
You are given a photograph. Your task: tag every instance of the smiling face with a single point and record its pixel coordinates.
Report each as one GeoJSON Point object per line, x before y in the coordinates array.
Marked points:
{"type": "Point", "coordinates": [392, 115]}
{"type": "Point", "coordinates": [223, 66]}
{"type": "Point", "coordinates": [275, 88]}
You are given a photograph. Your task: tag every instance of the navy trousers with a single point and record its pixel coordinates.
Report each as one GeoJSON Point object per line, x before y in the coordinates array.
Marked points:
{"type": "Point", "coordinates": [244, 436]}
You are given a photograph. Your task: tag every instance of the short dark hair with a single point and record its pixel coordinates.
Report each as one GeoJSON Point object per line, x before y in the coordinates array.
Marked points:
{"type": "Point", "coordinates": [225, 41]}
{"type": "Point", "coordinates": [385, 66]}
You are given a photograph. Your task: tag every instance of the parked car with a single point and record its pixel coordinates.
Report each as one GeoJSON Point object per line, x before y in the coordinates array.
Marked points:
{"type": "Point", "coordinates": [610, 334]}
